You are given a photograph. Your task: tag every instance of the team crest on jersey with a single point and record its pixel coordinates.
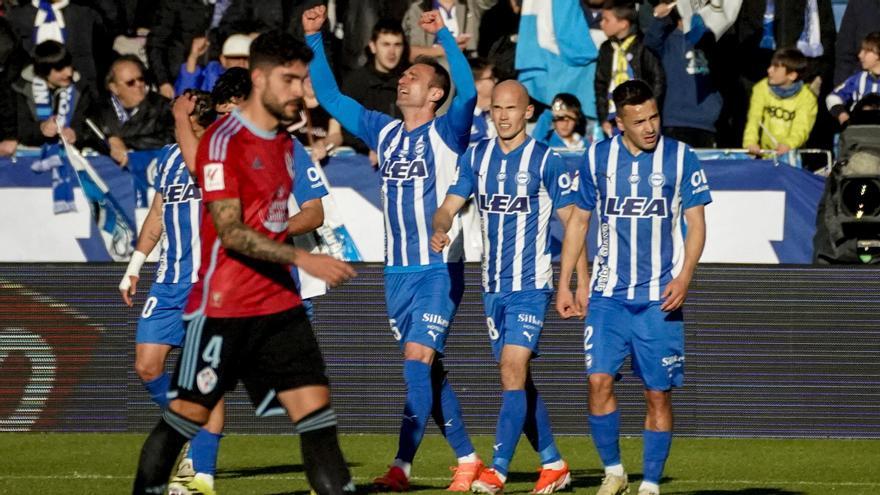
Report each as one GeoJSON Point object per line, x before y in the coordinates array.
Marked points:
{"type": "Point", "coordinates": [636, 206]}
{"type": "Point", "coordinates": [522, 178]}
{"type": "Point", "coordinates": [180, 193]}
{"type": "Point", "coordinates": [405, 170]}
{"type": "Point", "coordinates": [504, 204]}
{"type": "Point", "coordinates": [276, 215]}
{"type": "Point", "coordinates": [634, 179]}
{"type": "Point", "coordinates": [502, 176]}
{"type": "Point", "coordinates": [657, 179]}
{"type": "Point", "coordinates": [420, 147]}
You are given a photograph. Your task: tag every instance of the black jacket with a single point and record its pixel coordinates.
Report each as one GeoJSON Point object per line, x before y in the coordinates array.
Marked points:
{"type": "Point", "coordinates": [789, 24]}
{"type": "Point", "coordinates": [375, 91]}
{"type": "Point", "coordinates": [28, 126]}
{"type": "Point", "coordinates": [645, 66]}
{"type": "Point", "coordinates": [860, 18]}
{"type": "Point", "coordinates": [169, 41]}
{"type": "Point", "coordinates": [151, 127]}
{"type": "Point", "coordinates": [85, 37]}
{"type": "Point", "coordinates": [11, 58]}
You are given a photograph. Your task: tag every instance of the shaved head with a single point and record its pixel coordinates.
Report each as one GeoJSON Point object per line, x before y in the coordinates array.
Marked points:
{"type": "Point", "coordinates": [510, 111]}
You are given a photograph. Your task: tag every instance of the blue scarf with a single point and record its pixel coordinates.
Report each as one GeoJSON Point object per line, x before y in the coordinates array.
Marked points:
{"type": "Point", "coordinates": [52, 156]}
{"type": "Point", "coordinates": [783, 93]}
{"type": "Point", "coordinates": [768, 40]}
{"type": "Point", "coordinates": [50, 27]}
{"type": "Point", "coordinates": [810, 42]}
{"type": "Point", "coordinates": [121, 113]}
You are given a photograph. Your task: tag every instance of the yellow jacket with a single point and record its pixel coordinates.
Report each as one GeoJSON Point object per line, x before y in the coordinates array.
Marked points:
{"type": "Point", "coordinates": [787, 120]}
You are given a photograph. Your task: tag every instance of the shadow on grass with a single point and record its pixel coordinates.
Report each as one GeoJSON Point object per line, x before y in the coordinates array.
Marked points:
{"type": "Point", "coordinates": [250, 472]}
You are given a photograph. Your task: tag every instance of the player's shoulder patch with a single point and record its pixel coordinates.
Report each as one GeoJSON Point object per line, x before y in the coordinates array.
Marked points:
{"type": "Point", "coordinates": [213, 173]}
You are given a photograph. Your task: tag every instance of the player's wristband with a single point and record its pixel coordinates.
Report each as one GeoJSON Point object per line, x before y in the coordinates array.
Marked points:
{"type": "Point", "coordinates": [133, 270]}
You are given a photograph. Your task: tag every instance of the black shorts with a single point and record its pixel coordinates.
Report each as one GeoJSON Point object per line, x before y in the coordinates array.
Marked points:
{"type": "Point", "coordinates": [268, 353]}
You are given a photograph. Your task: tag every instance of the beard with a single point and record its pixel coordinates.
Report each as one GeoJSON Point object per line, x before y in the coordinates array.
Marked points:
{"type": "Point", "coordinates": [283, 111]}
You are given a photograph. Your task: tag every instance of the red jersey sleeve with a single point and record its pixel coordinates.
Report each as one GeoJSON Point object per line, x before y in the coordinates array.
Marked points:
{"type": "Point", "coordinates": [216, 168]}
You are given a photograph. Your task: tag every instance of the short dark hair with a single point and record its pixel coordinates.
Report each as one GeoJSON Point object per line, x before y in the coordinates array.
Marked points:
{"type": "Point", "coordinates": [274, 48]}
{"type": "Point", "coordinates": [623, 9]}
{"type": "Point", "coordinates": [50, 55]}
{"type": "Point", "coordinates": [440, 79]}
{"type": "Point", "coordinates": [569, 101]}
{"type": "Point", "coordinates": [235, 82]}
{"type": "Point", "coordinates": [387, 25]}
{"type": "Point", "coordinates": [479, 65]}
{"type": "Point", "coordinates": [632, 92]}
{"type": "Point", "coordinates": [203, 110]}
{"type": "Point", "coordinates": [133, 59]}
{"type": "Point", "coordinates": [792, 59]}
{"type": "Point", "coordinates": [872, 41]}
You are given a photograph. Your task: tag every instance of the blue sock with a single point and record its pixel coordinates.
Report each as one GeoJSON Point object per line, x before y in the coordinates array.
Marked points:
{"type": "Point", "coordinates": [657, 445]}
{"type": "Point", "coordinates": [417, 376]}
{"type": "Point", "coordinates": [203, 449]}
{"type": "Point", "coordinates": [537, 427]}
{"type": "Point", "coordinates": [158, 389]}
{"type": "Point", "coordinates": [511, 420]}
{"type": "Point", "coordinates": [447, 415]}
{"type": "Point", "coordinates": [606, 436]}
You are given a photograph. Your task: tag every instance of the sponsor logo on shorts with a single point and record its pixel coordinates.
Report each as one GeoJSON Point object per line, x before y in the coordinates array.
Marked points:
{"type": "Point", "coordinates": [206, 380]}
{"type": "Point", "coordinates": [673, 360]}
{"type": "Point", "coordinates": [530, 319]}
{"type": "Point", "coordinates": [528, 336]}
{"type": "Point", "coordinates": [435, 319]}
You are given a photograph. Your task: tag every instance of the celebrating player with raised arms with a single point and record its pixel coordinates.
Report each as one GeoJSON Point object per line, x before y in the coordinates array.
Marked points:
{"type": "Point", "coordinates": [417, 159]}
{"type": "Point", "coordinates": [518, 183]}
{"type": "Point", "coordinates": [640, 184]}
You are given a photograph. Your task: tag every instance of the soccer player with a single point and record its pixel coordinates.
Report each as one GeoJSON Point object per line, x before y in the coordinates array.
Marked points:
{"type": "Point", "coordinates": [518, 182]}
{"type": "Point", "coordinates": [640, 184]}
{"type": "Point", "coordinates": [417, 157]}
{"type": "Point", "coordinates": [248, 322]}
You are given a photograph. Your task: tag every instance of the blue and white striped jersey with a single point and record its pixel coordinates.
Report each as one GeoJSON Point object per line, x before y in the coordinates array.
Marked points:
{"type": "Point", "coordinates": [856, 87]}
{"type": "Point", "coordinates": [639, 201]}
{"type": "Point", "coordinates": [181, 212]}
{"type": "Point", "coordinates": [516, 192]}
{"type": "Point", "coordinates": [417, 165]}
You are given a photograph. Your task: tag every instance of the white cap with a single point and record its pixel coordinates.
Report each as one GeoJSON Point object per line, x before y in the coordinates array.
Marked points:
{"type": "Point", "coordinates": [237, 45]}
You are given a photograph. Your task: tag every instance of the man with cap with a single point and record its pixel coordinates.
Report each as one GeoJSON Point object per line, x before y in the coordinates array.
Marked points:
{"type": "Point", "coordinates": [235, 53]}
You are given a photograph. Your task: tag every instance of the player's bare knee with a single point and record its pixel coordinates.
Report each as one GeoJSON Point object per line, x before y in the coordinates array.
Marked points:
{"type": "Point", "coordinates": [513, 374]}
{"type": "Point", "coordinates": [418, 352]}
{"type": "Point", "coordinates": [196, 413]}
{"type": "Point", "coordinates": [601, 385]}
{"type": "Point", "coordinates": [148, 369]}
{"type": "Point", "coordinates": [659, 402]}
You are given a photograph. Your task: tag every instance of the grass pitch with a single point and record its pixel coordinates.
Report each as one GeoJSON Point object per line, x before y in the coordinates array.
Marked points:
{"type": "Point", "coordinates": [105, 463]}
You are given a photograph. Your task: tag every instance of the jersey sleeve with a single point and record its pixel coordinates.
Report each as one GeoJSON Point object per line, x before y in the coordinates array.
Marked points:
{"type": "Point", "coordinates": [455, 125]}
{"type": "Point", "coordinates": [307, 182]}
{"type": "Point", "coordinates": [557, 180]}
{"type": "Point", "coordinates": [694, 186]}
{"type": "Point", "coordinates": [464, 183]}
{"type": "Point", "coordinates": [585, 197]}
{"type": "Point", "coordinates": [216, 170]}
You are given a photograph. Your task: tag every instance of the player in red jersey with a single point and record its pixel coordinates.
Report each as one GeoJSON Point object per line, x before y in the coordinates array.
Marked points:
{"type": "Point", "coordinates": [247, 321]}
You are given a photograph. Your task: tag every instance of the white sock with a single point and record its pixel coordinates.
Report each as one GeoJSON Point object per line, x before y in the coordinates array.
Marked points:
{"type": "Point", "coordinates": [651, 487]}
{"type": "Point", "coordinates": [470, 458]}
{"type": "Point", "coordinates": [405, 466]}
{"type": "Point", "coordinates": [616, 470]}
{"type": "Point", "coordinates": [502, 477]}
{"type": "Point", "coordinates": [209, 479]}
{"type": "Point", "coordinates": [555, 465]}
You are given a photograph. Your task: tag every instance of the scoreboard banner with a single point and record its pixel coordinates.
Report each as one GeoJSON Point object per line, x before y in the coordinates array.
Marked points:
{"type": "Point", "coordinates": [772, 351]}
{"type": "Point", "coordinates": [762, 213]}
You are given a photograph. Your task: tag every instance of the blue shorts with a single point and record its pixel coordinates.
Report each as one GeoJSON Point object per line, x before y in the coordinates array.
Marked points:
{"type": "Point", "coordinates": [421, 305]}
{"type": "Point", "coordinates": [516, 318]}
{"type": "Point", "coordinates": [654, 338]}
{"type": "Point", "coordinates": [161, 319]}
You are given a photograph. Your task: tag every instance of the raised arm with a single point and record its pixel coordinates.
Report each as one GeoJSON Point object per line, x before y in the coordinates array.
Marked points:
{"type": "Point", "coordinates": [183, 131]}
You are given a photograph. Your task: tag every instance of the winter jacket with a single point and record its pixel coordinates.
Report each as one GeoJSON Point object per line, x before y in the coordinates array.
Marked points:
{"type": "Point", "coordinates": [150, 127]}
{"type": "Point", "coordinates": [468, 14]}
{"type": "Point", "coordinates": [169, 41]}
{"type": "Point", "coordinates": [644, 64]}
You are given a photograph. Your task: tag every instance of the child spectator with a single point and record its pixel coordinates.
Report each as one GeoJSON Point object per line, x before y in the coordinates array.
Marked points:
{"type": "Point", "coordinates": [621, 58]}
{"type": "Point", "coordinates": [567, 120]}
{"type": "Point", "coordinates": [690, 111]}
{"type": "Point", "coordinates": [782, 110]}
{"type": "Point", "coordinates": [845, 97]}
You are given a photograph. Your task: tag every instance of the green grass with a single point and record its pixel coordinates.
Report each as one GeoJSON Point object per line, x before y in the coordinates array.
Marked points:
{"type": "Point", "coordinates": [105, 463]}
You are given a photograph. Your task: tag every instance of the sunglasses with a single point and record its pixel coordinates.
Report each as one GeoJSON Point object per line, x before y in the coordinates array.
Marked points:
{"type": "Point", "coordinates": [132, 82]}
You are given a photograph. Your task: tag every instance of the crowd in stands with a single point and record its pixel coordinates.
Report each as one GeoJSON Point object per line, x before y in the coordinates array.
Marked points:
{"type": "Point", "coordinates": [777, 77]}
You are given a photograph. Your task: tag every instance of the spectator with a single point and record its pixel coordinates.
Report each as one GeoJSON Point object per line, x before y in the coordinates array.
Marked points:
{"type": "Point", "coordinates": [235, 53]}
{"type": "Point", "coordinates": [689, 112]}
{"type": "Point", "coordinates": [783, 109]}
{"type": "Point", "coordinates": [178, 23]}
{"type": "Point", "coordinates": [461, 17]}
{"type": "Point", "coordinates": [485, 80]}
{"type": "Point", "coordinates": [231, 89]}
{"type": "Point", "coordinates": [314, 127]}
{"type": "Point", "coordinates": [375, 84]}
{"type": "Point", "coordinates": [567, 124]}
{"type": "Point", "coordinates": [134, 118]}
{"type": "Point", "coordinates": [860, 18]}
{"type": "Point", "coordinates": [862, 83]}
{"type": "Point", "coordinates": [50, 89]}
{"type": "Point", "coordinates": [621, 58]}
{"type": "Point", "coordinates": [356, 19]}
{"type": "Point", "coordinates": [75, 26]}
